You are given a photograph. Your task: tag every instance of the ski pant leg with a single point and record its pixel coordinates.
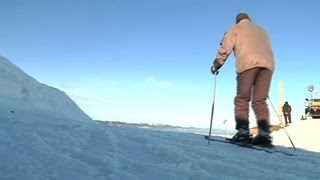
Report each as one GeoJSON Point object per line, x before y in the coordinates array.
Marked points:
{"type": "Point", "coordinates": [260, 94]}
{"type": "Point", "coordinates": [245, 81]}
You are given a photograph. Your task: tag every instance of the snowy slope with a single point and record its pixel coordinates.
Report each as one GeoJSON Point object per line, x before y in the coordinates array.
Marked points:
{"type": "Point", "coordinates": [20, 92]}
{"type": "Point", "coordinates": [44, 135]}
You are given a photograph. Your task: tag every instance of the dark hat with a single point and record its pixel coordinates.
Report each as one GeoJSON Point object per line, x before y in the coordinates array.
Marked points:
{"type": "Point", "coordinates": [242, 16]}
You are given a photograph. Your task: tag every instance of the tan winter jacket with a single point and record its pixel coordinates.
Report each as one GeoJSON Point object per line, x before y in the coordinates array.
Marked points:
{"type": "Point", "coordinates": [250, 44]}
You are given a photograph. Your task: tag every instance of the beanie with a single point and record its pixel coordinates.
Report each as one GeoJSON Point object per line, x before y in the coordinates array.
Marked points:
{"type": "Point", "coordinates": [242, 16]}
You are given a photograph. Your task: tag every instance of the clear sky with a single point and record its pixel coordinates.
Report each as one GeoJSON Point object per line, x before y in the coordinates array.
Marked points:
{"type": "Point", "coordinates": [148, 61]}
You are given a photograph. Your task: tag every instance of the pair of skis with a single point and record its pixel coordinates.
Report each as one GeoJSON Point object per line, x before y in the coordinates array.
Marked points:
{"type": "Point", "coordinates": [250, 146]}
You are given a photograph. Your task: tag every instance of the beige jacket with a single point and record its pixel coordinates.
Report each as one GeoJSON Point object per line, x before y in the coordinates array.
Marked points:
{"type": "Point", "coordinates": [250, 44]}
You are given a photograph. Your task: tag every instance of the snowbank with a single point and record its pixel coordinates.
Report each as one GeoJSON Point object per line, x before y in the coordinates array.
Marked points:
{"type": "Point", "coordinates": [20, 92]}
{"type": "Point", "coordinates": [305, 134]}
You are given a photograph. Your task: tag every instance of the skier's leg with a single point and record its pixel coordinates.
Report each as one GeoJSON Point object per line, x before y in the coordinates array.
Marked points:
{"type": "Point", "coordinates": [260, 94]}
{"type": "Point", "coordinates": [260, 107]}
{"type": "Point", "coordinates": [245, 81]}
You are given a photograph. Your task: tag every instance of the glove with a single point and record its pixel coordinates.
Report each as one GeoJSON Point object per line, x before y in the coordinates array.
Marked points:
{"type": "Point", "coordinates": [215, 67]}
{"type": "Point", "coordinates": [214, 70]}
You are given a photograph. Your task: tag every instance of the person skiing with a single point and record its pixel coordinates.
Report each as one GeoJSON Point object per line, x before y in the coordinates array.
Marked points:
{"type": "Point", "coordinates": [255, 65]}
{"type": "Point", "coordinates": [286, 110]}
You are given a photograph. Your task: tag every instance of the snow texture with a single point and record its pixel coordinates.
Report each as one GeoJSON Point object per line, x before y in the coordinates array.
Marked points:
{"type": "Point", "coordinates": [45, 135]}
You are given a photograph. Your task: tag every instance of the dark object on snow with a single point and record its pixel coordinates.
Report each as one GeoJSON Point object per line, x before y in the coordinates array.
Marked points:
{"type": "Point", "coordinates": [286, 110]}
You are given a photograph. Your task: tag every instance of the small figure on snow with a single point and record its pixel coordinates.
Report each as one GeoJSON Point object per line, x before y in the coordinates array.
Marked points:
{"type": "Point", "coordinates": [286, 110]}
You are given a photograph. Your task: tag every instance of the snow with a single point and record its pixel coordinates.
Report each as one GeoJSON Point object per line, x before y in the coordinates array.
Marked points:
{"type": "Point", "coordinates": [304, 134]}
{"type": "Point", "coordinates": [45, 135]}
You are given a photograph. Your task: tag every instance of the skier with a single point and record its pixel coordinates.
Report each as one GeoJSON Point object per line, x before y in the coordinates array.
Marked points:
{"type": "Point", "coordinates": [286, 110]}
{"type": "Point", "coordinates": [254, 66]}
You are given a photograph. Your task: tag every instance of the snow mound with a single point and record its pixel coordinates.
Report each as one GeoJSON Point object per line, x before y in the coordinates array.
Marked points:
{"type": "Point", "coordinates": [20, 92]}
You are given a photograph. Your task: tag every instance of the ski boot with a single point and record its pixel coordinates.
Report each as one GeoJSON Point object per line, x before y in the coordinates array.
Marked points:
{"type": "Point", "coordinates": [241, 137]}
{"type": "Point", "coordinates": [263, 138]}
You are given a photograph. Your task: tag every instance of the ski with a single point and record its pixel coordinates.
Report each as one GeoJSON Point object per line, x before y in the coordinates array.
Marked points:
{"type": "Point", "coordinates": [250, 146]}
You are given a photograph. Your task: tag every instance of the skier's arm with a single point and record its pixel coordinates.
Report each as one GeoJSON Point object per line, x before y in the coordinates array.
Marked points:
{"type": "Point", "coordinates": [225, 49]}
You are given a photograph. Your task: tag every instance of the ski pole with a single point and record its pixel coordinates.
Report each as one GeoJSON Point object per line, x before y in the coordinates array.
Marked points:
{"type": "Point", "coordinates": [283, 127]}
{"type": "Point", "coordinates": [214, 97]}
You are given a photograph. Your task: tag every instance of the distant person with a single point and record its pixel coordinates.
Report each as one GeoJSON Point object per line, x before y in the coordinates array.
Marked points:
{"type": "Point", "coordinates": [254, 67]}
{"type": "Point", "coordinates": [286, 110]}
{"type": "Point", "coordinates": [306, 112]}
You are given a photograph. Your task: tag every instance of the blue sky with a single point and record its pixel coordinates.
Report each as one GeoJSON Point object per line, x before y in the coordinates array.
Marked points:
{"type": "Point", "coordinates": [148, 61]}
